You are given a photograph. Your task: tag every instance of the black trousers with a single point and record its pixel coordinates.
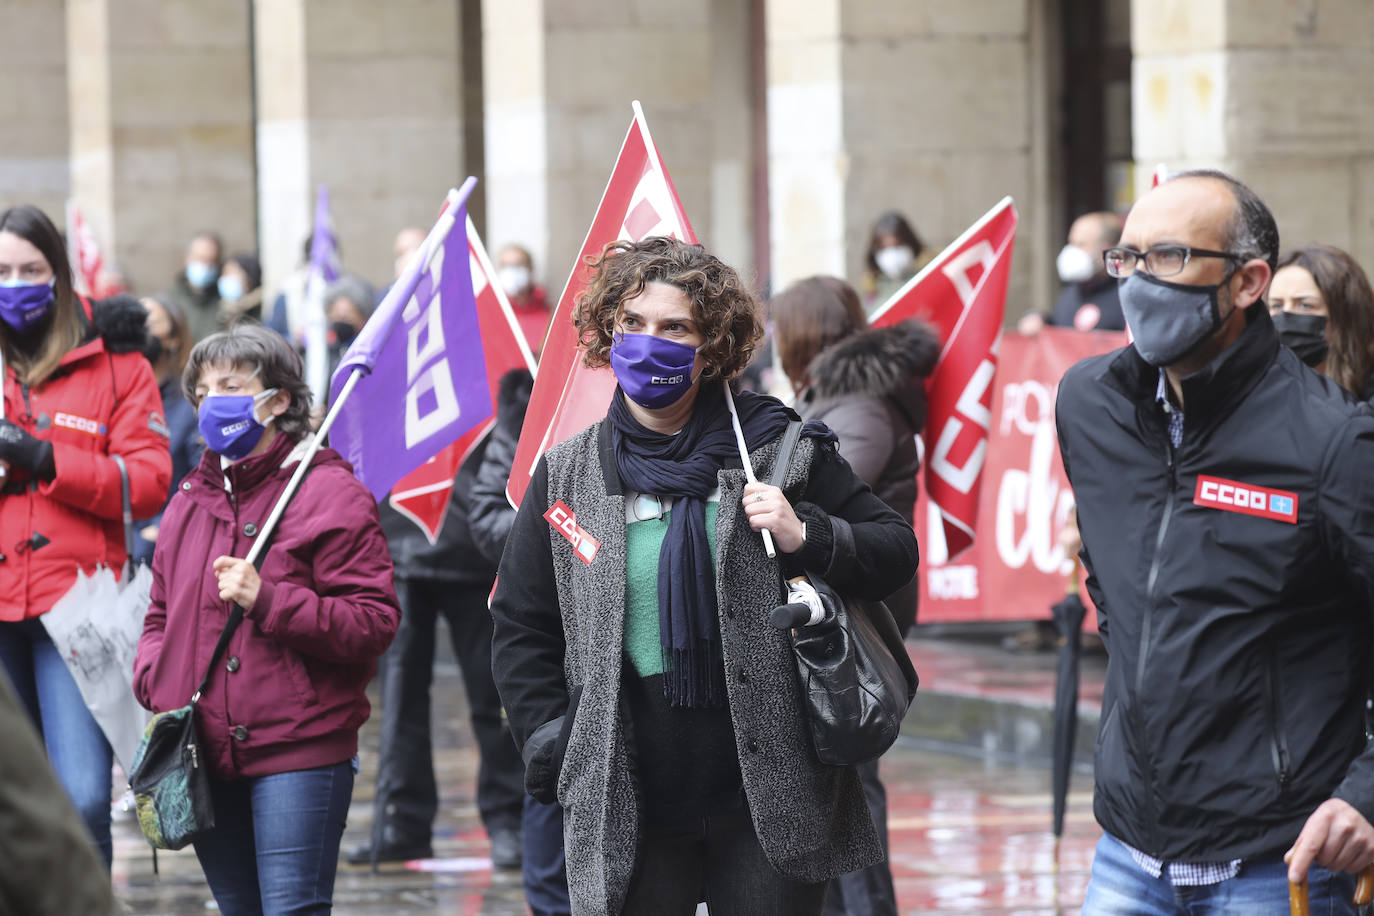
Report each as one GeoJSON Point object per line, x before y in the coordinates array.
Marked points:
{"type": "Point", "coordinates": [716, 859]}
{"type": "Point", "coordinates": [407, 796]}
{"type": "Point", "coordinates": [868, 892]}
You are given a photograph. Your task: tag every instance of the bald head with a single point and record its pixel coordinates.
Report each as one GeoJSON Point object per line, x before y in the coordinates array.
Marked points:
{"type": "Point", "coordinates": [408, 241]}
{"type": "Point", "coordinates": [1095, 231]}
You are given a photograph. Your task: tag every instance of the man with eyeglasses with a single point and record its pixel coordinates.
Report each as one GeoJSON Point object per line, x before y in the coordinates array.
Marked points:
{"type": "Point", "coordinates": [1226, 504]}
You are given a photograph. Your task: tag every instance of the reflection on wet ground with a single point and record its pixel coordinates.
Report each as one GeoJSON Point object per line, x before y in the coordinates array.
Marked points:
{"type": "Point", "coordinates": [968, 836]}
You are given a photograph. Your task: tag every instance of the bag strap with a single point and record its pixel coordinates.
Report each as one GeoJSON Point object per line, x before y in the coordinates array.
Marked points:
{"type": "Point", "coordinates": [785, 450]}
{"type": "Point", "coordinates": [128, 506]}
{"type": "Point", "coordinates": [236, 615]}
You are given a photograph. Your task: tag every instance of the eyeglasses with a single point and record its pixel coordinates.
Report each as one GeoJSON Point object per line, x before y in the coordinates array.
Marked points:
{"type": "Point", "coordinates": [1160, 261]}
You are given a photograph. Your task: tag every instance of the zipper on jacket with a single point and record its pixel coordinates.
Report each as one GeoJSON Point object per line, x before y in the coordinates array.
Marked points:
{"type": "Point", "coordinates": [1278, 743]}
{"type": "Point", "coordinates": [1145, 626]}
{"type": "Point", "coordinates": [28, 408]}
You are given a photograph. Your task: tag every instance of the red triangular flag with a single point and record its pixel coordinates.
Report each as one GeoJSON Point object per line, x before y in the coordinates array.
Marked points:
{"type": "Point", "coordinates": [963, 295]}
{"type": "Point", "coordinates": [423, 494]}
{"type": "Point", "coordinates": [639, 201]}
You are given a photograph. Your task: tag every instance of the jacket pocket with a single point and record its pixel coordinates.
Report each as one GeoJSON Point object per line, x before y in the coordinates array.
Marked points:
{"type": "Point", "coordinates": [1278, 737]}
{"type": "Point", "coordinates": [563, 767]}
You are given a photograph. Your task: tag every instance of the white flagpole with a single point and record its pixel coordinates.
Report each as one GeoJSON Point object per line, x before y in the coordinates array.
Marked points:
{"type": "Point", "coordinates": [426, 253]}
{"type": "Point", "coordinates": [748, 467]}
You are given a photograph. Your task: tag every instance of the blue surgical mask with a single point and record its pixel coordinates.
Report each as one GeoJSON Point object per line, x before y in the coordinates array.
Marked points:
{"type": "Point", "coordinates": [653, 372]}
{"type": "Point", "coordinates": [22, 305]}
{"type": "Point", "coordinates": [230, 288]}
{"type": "Point", "coordinates": [229, 423]}
{"type": "Point", "coordinates": [200, 275]}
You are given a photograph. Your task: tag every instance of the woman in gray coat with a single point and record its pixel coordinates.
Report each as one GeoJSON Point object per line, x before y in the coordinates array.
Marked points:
{"type": "Point", "coordinates": [648, 690]}
{"type": "Point", "coordinates": [868, 386]}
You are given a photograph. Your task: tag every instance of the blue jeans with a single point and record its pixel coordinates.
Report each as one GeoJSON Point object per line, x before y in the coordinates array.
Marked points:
{"type": "Point", "coordinates": [544, 870]}
{"type": "Point", "coordinates": [275, 844]}
{"type": "Point", "coordinates": [77, 749]}
{"type": "Point", "coordinates": [1120, 887]}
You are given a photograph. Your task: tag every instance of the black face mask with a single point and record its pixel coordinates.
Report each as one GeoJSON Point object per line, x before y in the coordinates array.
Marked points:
{"type": "Point", "coordinates": [343, 333]}
{"type": "Point", "coordinates": [1305, 335]}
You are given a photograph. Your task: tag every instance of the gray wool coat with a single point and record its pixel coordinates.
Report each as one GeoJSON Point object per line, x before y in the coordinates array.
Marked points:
{"type": "Point", "coordinates": [557, 658]}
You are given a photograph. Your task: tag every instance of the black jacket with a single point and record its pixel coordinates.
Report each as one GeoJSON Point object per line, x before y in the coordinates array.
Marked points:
{"type": "Point", "coordinates": [1238, 638]}
{"type": "Point", "coordinates": [490, 514]}
{"type": "Point", "coordinates": [1101, 294]}
{"type": "Point", "coordinates": [869, 388]}
{"type": "Point", "coordinates": [453, 557]}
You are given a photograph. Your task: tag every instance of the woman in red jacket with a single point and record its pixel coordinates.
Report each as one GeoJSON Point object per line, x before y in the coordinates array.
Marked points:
{"type": "Point", "coordinates": [76, 393]}
{"type": "Point", "coordinates": [279, 721]}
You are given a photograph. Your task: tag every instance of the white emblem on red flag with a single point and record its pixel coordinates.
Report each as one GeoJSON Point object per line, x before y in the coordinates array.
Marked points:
{"type": "Point", "coordinates": [639, 202]}
{"type": "Point", "coordinates": [962, 294]}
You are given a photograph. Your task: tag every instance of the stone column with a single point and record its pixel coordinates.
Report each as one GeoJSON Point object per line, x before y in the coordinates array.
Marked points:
{"type": "Point", "coordinates": [364, 97]}
{"type": "Point", "coordinates": [1275, 92]}
{"type": "Point", "coordinates": [559, 80]}
{"type": "Point", "coordinates": [33, 67]}
{"type": "Point", "coordinates": [161, 127]}
{"type": "Point", "coordinates": [921, 106]}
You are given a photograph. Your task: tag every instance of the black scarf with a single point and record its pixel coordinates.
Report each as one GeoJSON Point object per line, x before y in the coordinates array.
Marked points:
{"type": "Point", "coordinates": [684, 466]}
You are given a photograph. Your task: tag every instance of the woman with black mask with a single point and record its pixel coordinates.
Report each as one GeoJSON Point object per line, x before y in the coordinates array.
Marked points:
{"type": "Point", "coordinates": [1323, 308]}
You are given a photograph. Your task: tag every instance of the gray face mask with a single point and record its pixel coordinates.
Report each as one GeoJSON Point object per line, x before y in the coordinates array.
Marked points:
{"type": "Point", "coordinates": [1167, 320]}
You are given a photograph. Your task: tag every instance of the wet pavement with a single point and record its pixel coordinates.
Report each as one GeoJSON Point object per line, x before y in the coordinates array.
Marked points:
{"type": "Point", "coordinates": [970, 834]}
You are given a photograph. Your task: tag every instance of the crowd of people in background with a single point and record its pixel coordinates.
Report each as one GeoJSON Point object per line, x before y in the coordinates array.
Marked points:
{"type": "Point", "coordinates": [365, 588]}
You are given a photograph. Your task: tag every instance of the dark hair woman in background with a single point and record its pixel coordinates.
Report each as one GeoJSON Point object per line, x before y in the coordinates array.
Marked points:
{"type": "Point", "coordinates": [868, 386]}
{"type": "Point", "coordinates": [77, 391]}
{"type": "Point", "coordinates": [1323, 309]}
{"type": "Point", "coordinates": [894, 256]}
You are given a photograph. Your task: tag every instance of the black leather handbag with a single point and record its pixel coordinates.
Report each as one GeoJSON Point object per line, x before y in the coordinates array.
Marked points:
{"type": "Point", "coordinates": [855, 675]}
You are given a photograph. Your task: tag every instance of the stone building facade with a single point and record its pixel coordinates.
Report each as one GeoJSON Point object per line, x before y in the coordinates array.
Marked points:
{"type": "Point", "coordinates": [787, 125]}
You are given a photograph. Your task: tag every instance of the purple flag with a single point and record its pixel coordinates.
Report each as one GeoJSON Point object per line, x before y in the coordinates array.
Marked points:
{"type": "Point", "coordinates": [324, 253]}
{"type": "Point", "coordinates": [424, 378]}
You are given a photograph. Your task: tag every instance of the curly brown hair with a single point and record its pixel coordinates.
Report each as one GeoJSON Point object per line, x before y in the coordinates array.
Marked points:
{"type": "Point", "coordinates": [725, 311]}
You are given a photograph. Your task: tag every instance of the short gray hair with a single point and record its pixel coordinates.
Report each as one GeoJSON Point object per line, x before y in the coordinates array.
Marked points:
{"type": "Point", "coordinates": [1252, 233]}
{"type": "Point", "coordinates": [277, 362]}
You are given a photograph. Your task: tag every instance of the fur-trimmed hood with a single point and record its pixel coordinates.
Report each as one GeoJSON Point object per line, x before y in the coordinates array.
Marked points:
{"type": "Point", "coordinates": [121, 321]}
{"type": "Point", "coordinates": [881, 362]}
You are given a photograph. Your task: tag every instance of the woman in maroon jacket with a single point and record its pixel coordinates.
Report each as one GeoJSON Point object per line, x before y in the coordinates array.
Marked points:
{"type": "Point", "coordinates": [76, 394]}
{"type": "Point", "coordinates": [279, 721]}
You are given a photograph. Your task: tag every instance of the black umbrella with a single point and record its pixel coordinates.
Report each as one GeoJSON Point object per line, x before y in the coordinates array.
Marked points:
{"type": "Point", "coordinates": [1068, 620]}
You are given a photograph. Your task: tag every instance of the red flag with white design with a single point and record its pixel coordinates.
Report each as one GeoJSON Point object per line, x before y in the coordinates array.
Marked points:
{"type": "Point", "coordinates": [639, 201]}
{"type": "Point", "coordinates": [83, 252]}
{"type": "Point", "coordinates": [423, 495]}
{"type": "Point", "coordinates": [963, 295]}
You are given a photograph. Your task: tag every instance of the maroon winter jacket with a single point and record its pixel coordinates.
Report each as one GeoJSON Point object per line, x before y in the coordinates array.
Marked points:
{"type": "Point", "coordinates": [288, 693]}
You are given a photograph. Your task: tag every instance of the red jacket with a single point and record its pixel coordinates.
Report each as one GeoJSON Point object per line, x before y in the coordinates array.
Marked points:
{"type": "Point", "coordinates": [289, 692]}
{"type": "Point", "coordinates": [98, 403]}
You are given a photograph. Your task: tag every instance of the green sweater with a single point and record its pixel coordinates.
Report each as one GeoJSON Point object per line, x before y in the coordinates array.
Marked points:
{"type": "Point", "coordinates": [643, 541]}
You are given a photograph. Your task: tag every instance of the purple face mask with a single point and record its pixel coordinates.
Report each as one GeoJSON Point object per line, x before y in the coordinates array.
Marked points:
{"type": "Point", "coordinates": [22, 305]}
{"type": "Point", "coordinates": [652, 372]}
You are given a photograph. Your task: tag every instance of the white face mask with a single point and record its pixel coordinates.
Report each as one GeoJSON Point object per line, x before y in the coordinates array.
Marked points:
{"type": "Point", "coordinates": [894, 260]}
{"type": "Point", "coordinates": [1075, 265]}
{"type": "Point", "coordinates": [514, 278]}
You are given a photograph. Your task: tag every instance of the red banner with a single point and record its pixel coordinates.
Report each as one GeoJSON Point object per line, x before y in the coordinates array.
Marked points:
{"type": "Point", "coordinates": [1016, 568]}
{"type": "Point", "coordinates": [962, 294]}
{"type": "Point", "coordinates": [639, 201]}
{"type": "Point", "coordinates": [423, 494]}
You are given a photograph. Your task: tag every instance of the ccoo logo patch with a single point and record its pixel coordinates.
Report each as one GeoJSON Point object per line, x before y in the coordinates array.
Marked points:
{"type": "Point", "coordinates": [1246, 498]}
{"type": "Point", "coordinates": [565, 523]}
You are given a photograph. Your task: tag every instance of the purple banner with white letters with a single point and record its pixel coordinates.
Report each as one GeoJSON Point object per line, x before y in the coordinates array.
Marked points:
{"type": "Point", "coordinates": [424, 379]}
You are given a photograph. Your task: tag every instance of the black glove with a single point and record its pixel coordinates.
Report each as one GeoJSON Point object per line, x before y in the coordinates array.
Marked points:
{"type": "Point", "coordinates": [24, 450]}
